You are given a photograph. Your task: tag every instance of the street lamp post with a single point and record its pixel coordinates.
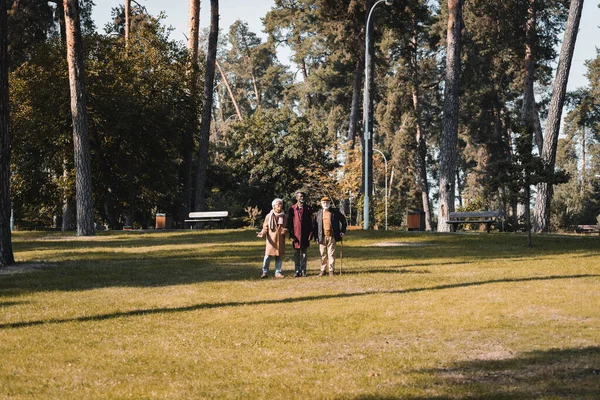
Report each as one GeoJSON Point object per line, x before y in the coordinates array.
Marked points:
{"type": "Point", "coordinates": [366, 132]}
{"type": "Point", "coordinates": [386, 188]}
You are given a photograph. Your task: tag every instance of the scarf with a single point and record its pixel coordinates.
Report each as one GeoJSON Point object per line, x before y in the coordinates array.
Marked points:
{"type": "Point", "coordinates": [273, 217]}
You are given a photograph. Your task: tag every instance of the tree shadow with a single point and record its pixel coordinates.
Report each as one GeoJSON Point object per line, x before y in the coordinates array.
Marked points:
{"type": "Point", "coordinates": [396, 269]}
{"type": "Point", "coordinates": [12, 303]}
{"type": "Point", "coordinates": [154, 259]}
{"type": "Point", "coordinates": [558, 373]}
{"type": "Point", "coordinates": [287, 300]}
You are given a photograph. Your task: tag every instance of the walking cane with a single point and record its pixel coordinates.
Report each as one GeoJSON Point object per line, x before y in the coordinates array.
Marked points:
{"type": "Point", "coordinates": [341, 254]}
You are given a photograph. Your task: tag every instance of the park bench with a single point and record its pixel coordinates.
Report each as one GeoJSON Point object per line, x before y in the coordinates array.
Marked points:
{"type": "Point", "coordinates": [474, 217]}
{"type": "Point", "coordinates": [587, 228]}
{"type": "Point", "coordinates": [197, 217]}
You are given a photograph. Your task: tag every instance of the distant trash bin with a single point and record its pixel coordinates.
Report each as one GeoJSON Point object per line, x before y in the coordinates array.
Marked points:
{"type": "Point", "coordinates": [416, 220]}
{"type": "Point", "coordinates": [161, 221]}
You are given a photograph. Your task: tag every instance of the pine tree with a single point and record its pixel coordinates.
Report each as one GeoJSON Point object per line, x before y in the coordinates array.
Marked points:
{"type": "Point", "coordinates": [83, 169]}
{"type": "Point", "coordinates": [207, 103]}
{"type": "Point", "coordinates": [544, 190]}
{"type": "Point", "coordinates": [6, 252]}
{"type": "Point", "coordinates": [448, 151]}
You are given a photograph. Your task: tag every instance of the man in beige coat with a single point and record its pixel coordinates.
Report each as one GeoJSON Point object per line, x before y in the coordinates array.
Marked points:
{"type": "Point", "coordinates": [275, 230]}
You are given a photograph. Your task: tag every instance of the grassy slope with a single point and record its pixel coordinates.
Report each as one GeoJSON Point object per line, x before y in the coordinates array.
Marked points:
{"type": "Point", "coordinates": [184, 315]}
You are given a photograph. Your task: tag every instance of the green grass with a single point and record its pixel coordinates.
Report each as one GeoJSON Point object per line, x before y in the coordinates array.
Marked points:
{"type": "Point", "coordinates": [184, 315]}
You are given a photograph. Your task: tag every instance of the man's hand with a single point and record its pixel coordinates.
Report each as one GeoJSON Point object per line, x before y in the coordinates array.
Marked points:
{"type": "Point", "coordinates": [259, 234]}
{"type": "Point", "coordinates": [342, 234]}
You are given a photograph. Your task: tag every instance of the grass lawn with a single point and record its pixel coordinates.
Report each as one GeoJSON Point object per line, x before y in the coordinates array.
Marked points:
{"type": "Point", "coordinates": [184, 315]}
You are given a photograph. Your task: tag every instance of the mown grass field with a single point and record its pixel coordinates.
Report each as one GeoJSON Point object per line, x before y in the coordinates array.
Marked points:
{"type": "Point", "coordinates": [184, 315]}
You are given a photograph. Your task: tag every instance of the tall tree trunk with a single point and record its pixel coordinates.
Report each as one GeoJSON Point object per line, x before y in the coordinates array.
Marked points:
{"type": "Point", "coordinates": [68, 202]}
{"type": "Point", "coordinates": [209, 83]}
{"type": "Point", "coordinates": [529, 69]}
{"type": "Point", "coordinates": [235, 104]}
{"type": "Point", "coordinates": [6, 251]}
{"type": "Point", "coordinates": [537, 130]}
{"type": "Point", "coordinates": [527, 118]}
{"type": "Point", "coordinates": [127, 21]}
{"type": "Point", "coordinates": [583, 156]}
{"type": "Point", "coordinates": [252, 71]}
{"type": "Point", "coordinates": [423, 184]}
{"type": "Point", "coordinates": [60, 10]}
{"type": "Point", "coordinates": [187, 150]}
{"type": "Point", "coordinates": [448, 151]}
{"type": "Point", "coordinates": [541, 221]}
{"type": "Point", "coordinates": [355, 107]}
{"type": "Point", "coordinates": [83, 169]}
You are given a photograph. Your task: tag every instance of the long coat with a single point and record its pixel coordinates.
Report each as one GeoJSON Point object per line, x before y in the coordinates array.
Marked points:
{"type": "Point", "coordinates": [300, 225]}
{"type": "Point", "coordinates": [338, 224]}
{"type": "Point", "coordinates": [275, 234]}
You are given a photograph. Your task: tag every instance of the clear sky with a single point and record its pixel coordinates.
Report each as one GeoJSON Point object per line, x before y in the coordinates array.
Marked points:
{"type": "Point", "coordinates": [251, 11]}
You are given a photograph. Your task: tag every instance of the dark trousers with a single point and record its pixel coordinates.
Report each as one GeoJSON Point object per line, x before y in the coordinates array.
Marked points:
{"type": "Point", "coordinates": [300, 260]}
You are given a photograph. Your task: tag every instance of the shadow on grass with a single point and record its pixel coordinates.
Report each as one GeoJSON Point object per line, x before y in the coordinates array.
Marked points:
{"type": "Point", "coordinates": [551, 374]}
{"type": "Point", "coordinates": [396, 269]}
{"type": "Point", "coordinates": [205, 306]}
{"type": "Point", "coordinates": [152, 259]}
{"type": "Point", "coordinates": [12, 303]}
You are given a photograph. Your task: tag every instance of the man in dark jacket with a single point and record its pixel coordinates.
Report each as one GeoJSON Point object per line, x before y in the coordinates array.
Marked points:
{"type": "Point", "coordinates": [329, 228]}
{"type": "Point", "coordinates": [300, 226]}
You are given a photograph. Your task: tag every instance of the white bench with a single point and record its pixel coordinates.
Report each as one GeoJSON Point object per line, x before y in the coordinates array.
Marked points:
{"type": "Point", "coordinates": [206, 216]}
{"type": "Point", "coordinates": [474, 217]}
{"type": "Point", "coordinates": [587, 228]}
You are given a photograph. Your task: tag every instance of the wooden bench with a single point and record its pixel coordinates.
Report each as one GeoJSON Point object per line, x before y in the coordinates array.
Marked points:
{"type": "Point", "coordinates": [587, 228]}
{"type": "Point", "coordinates": [206, 216]}
{"type": "Point", "coordinates": [474, 217]}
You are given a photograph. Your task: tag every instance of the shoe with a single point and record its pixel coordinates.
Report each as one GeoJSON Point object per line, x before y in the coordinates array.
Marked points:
{"type": "Point", "coordinates": [297, 275]}
{"type": "Point", "coordinates": [322, 273]}
{"type": "Point", "coordinates": [304, 274]}
{"type": "Point", "coordinates": [279, 276]}
{"type": "Point", "coordinates": [331, 273]}
{"type": "Point", "coordinates": [263, 276]}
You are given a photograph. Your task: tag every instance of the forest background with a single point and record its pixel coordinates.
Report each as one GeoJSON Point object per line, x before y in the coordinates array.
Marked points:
{"type": "Point", "coordinates": [277, 128]}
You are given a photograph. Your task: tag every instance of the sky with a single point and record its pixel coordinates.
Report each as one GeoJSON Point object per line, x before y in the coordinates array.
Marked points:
{"type": "Point", "coordinates": [251, 11]}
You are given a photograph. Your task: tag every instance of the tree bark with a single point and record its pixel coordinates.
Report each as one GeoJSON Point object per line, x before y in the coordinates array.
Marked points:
{"type": "Point", "coordinates": [529, 68]}
{"type": "Point", "coordinates": [545, 190]}
{"type": "Point", "coordinates": [235, 104]}
{"type": "Point", "coordinates": [209, 83]}
{"type": "Point", "coordinates": [423, 184]}
{"type": "Point", "coordinates": [355, 107]}
{"type": "Point", "coordinates": [83, 169]}
{"type": "Point", "coordinates": [448, 151]}
{"type": "Point", "coordinates": [252, 71]}
{"type": "Point", "coordinates": [60, 9]}
{"type": "Point", "coordinates": [187, 150]}
{"type": "Point", "coordinates": [537, 130]}
{"type": "Point", "coordinates": [68, 203]}
{"type": "Point", "coordinates": [583, 156]}
{"type": "Point", "coordinates": [6, 252]}
{"type": "Point", "coordinates": [127, 21]}
{"type": "Point", "coordinates": [528, 107]}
